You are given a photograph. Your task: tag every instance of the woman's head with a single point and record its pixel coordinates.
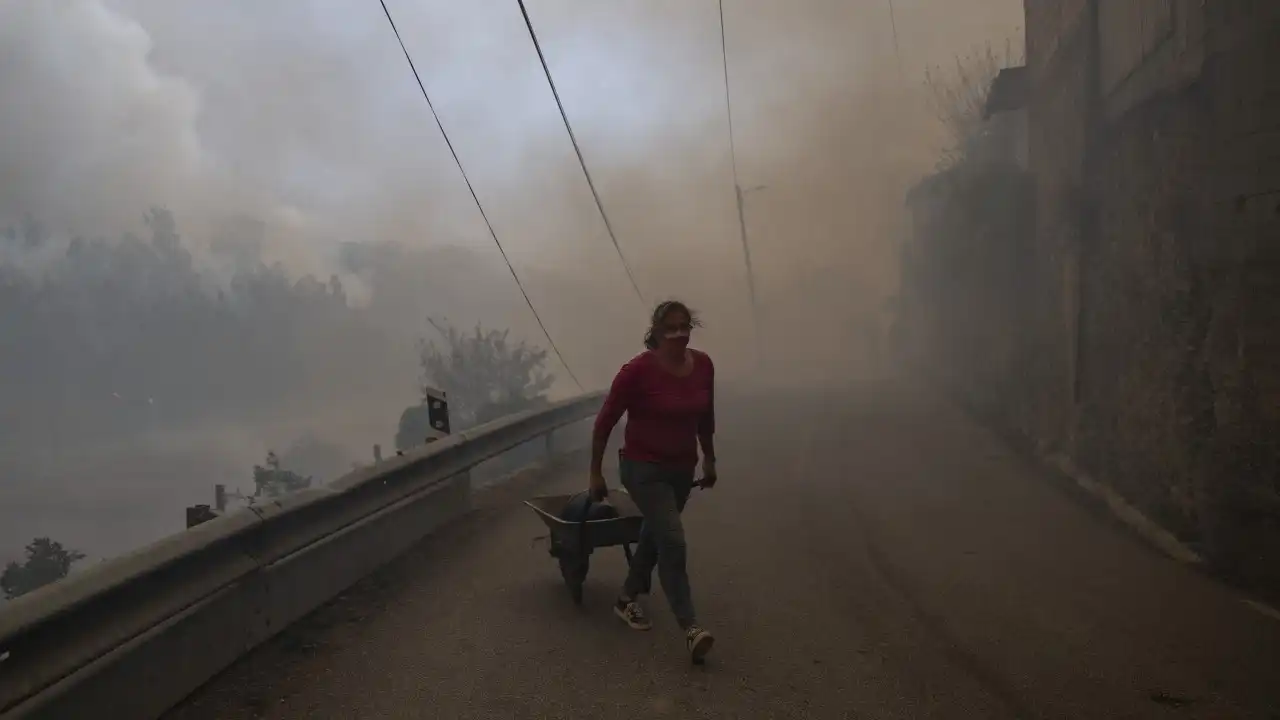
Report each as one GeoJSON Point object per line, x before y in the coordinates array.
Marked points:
{"type": "Point", "coordinates": [670, 326]}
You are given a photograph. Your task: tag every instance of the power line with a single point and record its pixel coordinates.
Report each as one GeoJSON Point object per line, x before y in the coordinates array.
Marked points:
{"type": "Point", "coordinates": [737, 186]}
{"type": "Point", "coordinates": [474, 196]}
{"type": "Point", "coordinates": [546, 69]}
{"type": "Point", "coordinates": [728, 103]}
{"type": "Point", "coordinates": [897, 50]}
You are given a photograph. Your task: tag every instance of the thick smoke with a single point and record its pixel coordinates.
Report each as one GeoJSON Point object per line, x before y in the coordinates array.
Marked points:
{"type": "Point", "coordinates": [92, 132]}
{"type": "Point", "coordinates": [303, 116]}
{"type": "Point", "coordinates": [279, 130]}
{"type": "Point", "coordinates": [284, 129]}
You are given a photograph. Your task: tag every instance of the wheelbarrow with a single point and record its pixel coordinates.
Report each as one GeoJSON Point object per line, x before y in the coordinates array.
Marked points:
{"type": "Point", "coordinates": [571, 543]}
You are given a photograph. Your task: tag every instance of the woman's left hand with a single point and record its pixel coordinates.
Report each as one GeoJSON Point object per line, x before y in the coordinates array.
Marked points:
{"type": "Point", "coordinates": [708, 473]}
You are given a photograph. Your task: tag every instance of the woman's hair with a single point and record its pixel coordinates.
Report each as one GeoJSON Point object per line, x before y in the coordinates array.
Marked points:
{"type": "Point", "coordinates": [660, 313]}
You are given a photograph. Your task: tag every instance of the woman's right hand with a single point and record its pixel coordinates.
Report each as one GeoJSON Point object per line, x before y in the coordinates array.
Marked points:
{"type": "Point", "coordinates": [597, 487]}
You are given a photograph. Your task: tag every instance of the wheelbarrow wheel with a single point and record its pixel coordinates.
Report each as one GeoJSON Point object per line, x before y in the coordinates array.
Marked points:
{"type": "Point", "coordinates": [574, 572]}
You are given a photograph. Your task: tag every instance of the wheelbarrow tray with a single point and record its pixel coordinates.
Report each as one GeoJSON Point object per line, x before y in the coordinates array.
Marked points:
{"type": "Point", "coordinates": [579, 537]}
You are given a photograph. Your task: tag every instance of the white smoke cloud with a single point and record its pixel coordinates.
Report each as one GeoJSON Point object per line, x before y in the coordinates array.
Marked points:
{"type": "Point", "coordinates": [90, 132]}
{"type": "Point", "coordinates": [93, 132]}
{"type": "Point", "coordinates": [303, 115]}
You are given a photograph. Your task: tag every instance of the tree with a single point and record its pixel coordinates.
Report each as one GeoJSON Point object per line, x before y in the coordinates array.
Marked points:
{"type": "Point", "coordinates": [273, 481]}
{"type": "Point", "coordinates": [47, 561]}
{"type": "Point", "coordinates": [958, 97]}
{"type": "Point", "coordinates": [137, 317]}
{"type": "Point", "coordinates": [485, 375]}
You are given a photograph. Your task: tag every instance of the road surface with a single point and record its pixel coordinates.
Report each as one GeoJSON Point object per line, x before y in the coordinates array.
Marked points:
{"type": "Point", "coordinates": [869, 553]}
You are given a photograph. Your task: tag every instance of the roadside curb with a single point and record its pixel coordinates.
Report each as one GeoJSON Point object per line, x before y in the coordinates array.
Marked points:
{"type": "Point", "coordinates": [1102, 497]}
{"type": "Point", "coordinates": [1097, 493]}
{"type": "Point", "coordinates": [1148, 529]}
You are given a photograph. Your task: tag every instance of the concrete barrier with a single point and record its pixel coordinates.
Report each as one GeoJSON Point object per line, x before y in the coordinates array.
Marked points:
{"type": "Point", "coordinates": [133, 636]}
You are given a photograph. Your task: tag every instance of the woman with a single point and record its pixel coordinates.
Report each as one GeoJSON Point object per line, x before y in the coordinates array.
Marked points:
{"type": "Point", "coordinates": [667, 393]}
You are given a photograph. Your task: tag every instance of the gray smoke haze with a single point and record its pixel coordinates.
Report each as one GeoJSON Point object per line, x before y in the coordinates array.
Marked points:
{"type": "Point", "coordinates": [304, 117]}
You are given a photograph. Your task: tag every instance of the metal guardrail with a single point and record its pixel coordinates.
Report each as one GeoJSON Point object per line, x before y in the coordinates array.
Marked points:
{"type": "Point", "coordinates": [133, 636]}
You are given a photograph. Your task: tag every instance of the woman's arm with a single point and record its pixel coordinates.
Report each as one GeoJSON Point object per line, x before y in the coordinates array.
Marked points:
{"type": "Point", "coordinates": [615, 404]}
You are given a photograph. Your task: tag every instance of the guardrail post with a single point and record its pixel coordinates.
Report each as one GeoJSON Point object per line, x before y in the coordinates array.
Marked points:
{"type": "Point", "coordinates": [197, 514]}
{"type": "Point", "coordinates": [377, 453]}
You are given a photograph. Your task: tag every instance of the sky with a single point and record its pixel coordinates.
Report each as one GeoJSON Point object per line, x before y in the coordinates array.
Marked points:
{"type": "Point", "coordinates": [305, 115]}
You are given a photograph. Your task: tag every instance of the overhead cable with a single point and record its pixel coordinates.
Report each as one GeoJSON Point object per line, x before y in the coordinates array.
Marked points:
{"type": "Point", "coordinates": [474, 196]}
{"type": "Point", "coordinates": [546, 69]}
{"type": "Point", "coordinates": [897, 50]}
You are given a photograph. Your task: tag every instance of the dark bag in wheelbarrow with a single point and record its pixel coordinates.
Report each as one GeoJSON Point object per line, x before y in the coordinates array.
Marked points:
{"type": "Point", "coordinates": [581, 508]}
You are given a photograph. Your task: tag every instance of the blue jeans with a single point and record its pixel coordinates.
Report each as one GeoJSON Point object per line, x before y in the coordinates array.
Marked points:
{"type": "Point", "coordinates": [660, 493]}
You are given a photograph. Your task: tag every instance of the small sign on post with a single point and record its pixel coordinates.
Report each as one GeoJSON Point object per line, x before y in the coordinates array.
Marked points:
{"type": "Point", "coordinates": [437, 413]}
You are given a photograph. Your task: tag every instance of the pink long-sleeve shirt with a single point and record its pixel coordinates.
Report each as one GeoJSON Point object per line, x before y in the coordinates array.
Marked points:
{"type": "Point", "coordinates": [666, 414]}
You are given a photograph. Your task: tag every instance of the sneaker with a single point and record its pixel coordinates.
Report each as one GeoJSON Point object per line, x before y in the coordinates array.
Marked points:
{"type": "Point", "coordinates": [700, 642]}
{"type": "Point", "coordinates": [631, 614]}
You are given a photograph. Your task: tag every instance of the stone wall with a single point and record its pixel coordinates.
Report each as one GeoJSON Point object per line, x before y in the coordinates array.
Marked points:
{"type": "Point", "coordinates": [1147, 328]}
{"type": "Point", "coordinates": [1144, 399]}
{"type": "Point", "coordinates": [963, 278]}
{"type": "Point", "coordinates": [1180, 338]}
{"type": "Point", "coordinates": [1177, 372]}
{"type": "Point", "coordinates": [1059, 109]}
{"type": "Point", "coordinates": [1240, 247]}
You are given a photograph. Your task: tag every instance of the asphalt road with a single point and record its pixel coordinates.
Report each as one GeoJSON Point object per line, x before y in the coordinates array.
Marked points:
{"type": "Point", "coordinates": [869, 553]}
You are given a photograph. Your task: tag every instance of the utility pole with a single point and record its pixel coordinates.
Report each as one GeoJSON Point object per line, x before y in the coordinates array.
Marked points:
{"type": "Point", "coordinates": [897, 48]}
{"type": "Point", "coordinates": [751, 275]}
{"type": "Point", "coordinates": [738, 191]}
